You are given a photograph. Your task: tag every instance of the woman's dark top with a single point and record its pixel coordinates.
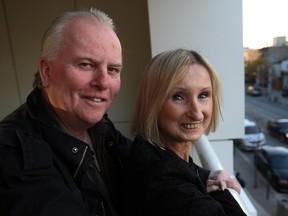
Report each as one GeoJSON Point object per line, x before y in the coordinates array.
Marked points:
{"type": "Point", "coordinates": [161, 183]}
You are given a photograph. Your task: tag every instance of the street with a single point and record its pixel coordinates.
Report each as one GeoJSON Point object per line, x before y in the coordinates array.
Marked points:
{"type": "Point", "coordinates": [265, 199]}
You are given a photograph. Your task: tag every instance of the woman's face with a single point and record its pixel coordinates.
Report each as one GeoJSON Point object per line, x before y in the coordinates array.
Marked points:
{"type": "Point", "coordinates": [186, 114]}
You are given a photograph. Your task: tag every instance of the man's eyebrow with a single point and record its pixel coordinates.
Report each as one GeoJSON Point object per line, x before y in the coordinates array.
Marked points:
{"type": "Point", "coordinates": [97, 62]}
{"type": "Point", "coordinates": [116, 65]}
{"type": "Point", "coordinates": [87, 59]}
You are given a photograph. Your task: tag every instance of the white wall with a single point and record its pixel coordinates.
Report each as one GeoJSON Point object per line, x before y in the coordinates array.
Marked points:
{"type": "Point", "coordinates": [213, 28]}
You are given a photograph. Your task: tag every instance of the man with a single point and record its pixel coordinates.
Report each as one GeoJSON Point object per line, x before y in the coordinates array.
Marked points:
{"type": "Point", "coordinates": [59, 152]}
{"type": "Point", "coordinates": [57, 149]}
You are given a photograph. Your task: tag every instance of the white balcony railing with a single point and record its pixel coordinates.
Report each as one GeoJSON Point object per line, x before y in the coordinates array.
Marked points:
{"type": "Point", "coordinates": [210, 161]}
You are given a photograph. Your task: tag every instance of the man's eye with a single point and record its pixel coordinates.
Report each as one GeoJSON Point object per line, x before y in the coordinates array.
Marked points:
{"type": "Point", "coordinates": [113, 70]}
{"type": "Point", "coordinates": [86, 66]}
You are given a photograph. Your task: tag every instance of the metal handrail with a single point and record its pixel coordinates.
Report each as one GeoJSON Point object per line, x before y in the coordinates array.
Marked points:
{"type": "Point", "coordinates": [210, 161]}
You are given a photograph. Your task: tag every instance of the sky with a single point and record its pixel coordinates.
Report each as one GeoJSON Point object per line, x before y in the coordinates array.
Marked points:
{"type": "Point", "coordinates": [262, 21]}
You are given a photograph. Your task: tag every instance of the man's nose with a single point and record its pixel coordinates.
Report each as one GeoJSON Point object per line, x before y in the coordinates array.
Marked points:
{"type": "Point", "coordinates": [101, 79]}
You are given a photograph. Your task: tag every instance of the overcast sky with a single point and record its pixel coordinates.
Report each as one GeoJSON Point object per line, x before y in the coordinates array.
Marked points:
{"type": "Point", "coordinates": [263, 20]}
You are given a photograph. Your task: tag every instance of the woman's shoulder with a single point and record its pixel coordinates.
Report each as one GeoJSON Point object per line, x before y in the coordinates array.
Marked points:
{"type": "Point", "coordinates": [143, 151]}
{"type": "Point", "coordinates": [148, 156]}
{"type": "Point", "coordinates": [146, 150]}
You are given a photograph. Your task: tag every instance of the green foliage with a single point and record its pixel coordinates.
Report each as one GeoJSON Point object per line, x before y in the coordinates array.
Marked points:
{"type": "Point", "coordinates": [251, 67]}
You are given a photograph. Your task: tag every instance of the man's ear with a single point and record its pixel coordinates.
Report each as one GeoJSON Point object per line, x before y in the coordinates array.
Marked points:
{"type": "Point", "coordinates": [44, 73]}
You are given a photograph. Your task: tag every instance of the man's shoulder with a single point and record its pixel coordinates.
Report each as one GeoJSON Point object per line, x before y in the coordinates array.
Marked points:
{"type": "Point", "coordinates": [22, 150]}
{"type": "Point", "coordinates": [17, 120]}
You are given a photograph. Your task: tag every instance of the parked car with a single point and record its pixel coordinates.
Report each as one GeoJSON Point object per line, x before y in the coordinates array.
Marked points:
{"type": "Point", "coordinates": [253, 91]}
{"type": "Point", "coordinates": [254, 137]}
{"type": "Point", "coordinates": [278, 128]}
{"type": "Point", "coordinates": [272, 162]}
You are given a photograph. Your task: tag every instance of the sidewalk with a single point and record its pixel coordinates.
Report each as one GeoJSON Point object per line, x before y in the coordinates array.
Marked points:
{"type": "Point", "coordinates": [260, 210]}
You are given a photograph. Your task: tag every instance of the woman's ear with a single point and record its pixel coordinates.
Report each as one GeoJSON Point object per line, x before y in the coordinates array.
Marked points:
{"type": "Point", "coordinates": [44, 73]}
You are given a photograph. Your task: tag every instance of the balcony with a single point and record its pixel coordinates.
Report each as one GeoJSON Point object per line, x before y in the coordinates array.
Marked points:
{"type": "Point", "coordinates": [210, 161]}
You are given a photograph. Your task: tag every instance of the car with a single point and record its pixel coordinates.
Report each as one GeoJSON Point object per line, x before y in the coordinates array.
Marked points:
{"type": "Point", "coordinates": [272, 163]}
{"type": "Point", "coordinates": [253, 91]}
{"type": "Point", "coordinates": [253, 139]}
{"type": "Point", "coordinates": [278, 128]}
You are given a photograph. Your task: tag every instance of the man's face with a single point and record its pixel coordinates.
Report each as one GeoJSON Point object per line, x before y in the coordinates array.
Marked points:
{"type": "Point", "coordinates": [83, 80]}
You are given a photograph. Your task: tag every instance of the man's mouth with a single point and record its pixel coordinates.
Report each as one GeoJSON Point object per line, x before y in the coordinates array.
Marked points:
{"type": "Point", "coordinates": [94, 99]}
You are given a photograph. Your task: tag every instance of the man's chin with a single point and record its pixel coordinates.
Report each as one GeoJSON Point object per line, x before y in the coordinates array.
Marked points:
{"type": "Point", "coordinates": [95, 119]}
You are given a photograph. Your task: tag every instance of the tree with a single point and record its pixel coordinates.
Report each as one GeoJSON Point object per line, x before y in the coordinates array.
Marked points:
{"type": "Point", "coordinates": [251, 68]}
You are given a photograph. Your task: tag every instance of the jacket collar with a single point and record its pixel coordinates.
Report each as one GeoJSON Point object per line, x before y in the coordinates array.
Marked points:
{"type": "Point", "coordinates": [71, 150]}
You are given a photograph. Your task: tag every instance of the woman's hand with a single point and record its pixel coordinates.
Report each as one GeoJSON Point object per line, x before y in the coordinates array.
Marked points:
{"type": "Point", "coordinates": [220, 180]}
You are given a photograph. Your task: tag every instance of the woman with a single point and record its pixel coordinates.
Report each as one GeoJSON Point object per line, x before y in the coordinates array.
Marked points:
{"type": "Point", "coordinates": [178, 102]}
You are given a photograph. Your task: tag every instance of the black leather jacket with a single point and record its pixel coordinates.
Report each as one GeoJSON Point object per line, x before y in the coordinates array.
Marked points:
{"type": "Point", "coordinates": [161, 183]}
{"type": "Point", "coordinates": [43, 170]}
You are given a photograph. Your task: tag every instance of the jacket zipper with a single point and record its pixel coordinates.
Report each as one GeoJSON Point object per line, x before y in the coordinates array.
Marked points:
{"type": "Point", "coordinates": [81, 161]}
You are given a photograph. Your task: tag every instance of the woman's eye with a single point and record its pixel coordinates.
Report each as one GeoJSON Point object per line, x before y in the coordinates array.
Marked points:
{"type": "Point", "coordinates": [177, 97]}
{"type": "Point", "coordinates": [204, 95]}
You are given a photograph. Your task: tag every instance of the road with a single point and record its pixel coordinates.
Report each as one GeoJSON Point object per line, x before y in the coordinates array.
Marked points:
{"type": "Point", "coordinates": [260, 110]}
{"type": "Point", "coordinates": [265, 199]}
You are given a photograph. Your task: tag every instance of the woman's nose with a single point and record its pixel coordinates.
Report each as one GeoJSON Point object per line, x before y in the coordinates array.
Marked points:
{"type": "Point", "coordinates": [194, 110]}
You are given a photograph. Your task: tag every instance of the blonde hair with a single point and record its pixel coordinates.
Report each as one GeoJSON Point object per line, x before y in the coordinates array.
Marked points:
{"type": "Point", "coordinates": [160, 77]}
